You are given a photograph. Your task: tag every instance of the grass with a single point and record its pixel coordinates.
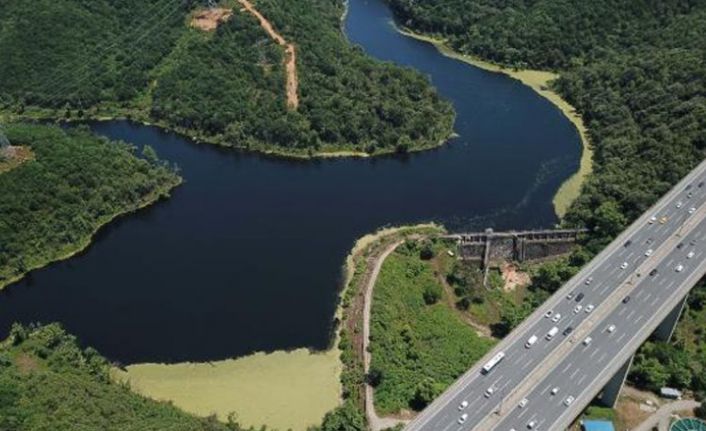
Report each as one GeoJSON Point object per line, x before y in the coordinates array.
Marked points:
{"type": "Point", "coordinates": [539, 81]}
{"type": "Point", "coordinates": [418, 349]}
{"type": "Point", "coordinates": [281, 390]}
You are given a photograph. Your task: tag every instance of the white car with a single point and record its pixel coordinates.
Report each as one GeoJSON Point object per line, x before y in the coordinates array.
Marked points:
{"type": "Point", "coordinates": [589, 308]}
{"type": "Point", "coordinates": [531, 424]}
{"type": "Point", "coordinates": [463, 405]}
{"type": "Point", "coordinates": [523, 402]}
{"type": "Point", "coordinates": [589, 280]}
{"type": "Point", "coordinates": [587, 341]}
{"type": "Point", "coordinates": [649, 252]}
{"type": "Point", "coordinates": [624, 265]}
{"type": "Point", "coordinates": [679, 204]}
{"type": "Point", "coordinates": [690, 255]}
{"type": "Point", "coordinates": [463, 418]}
{"type": "Point", "coordinates": [611, 329]}
{"type": "Point", "coordinates": [578, 308]}
{"type": "Point", "coordinates": [556, 318]}
{"type": "Point", "coordinates": [692, 210]}
{"type": "Point", "coordinates": [555, 390]}
{"type": "Point", "coordinates": [568, 400]}
{"type": "Point", "coordinates": [489, 392]}
{"type": "Point", "coordinates": [679, 268]}
{"type": "Point", "coordinates": [652, 220]}
{"type": "Point", "coordinates": [549, 313]}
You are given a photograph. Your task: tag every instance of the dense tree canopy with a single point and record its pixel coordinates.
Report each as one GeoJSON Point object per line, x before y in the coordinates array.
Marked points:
{"type": "Point", "coordinates": [47, 382]}
{"type": "Point", "coordinates": [51, 206]}
{"type": "Point", "coordinates": [141, 58]}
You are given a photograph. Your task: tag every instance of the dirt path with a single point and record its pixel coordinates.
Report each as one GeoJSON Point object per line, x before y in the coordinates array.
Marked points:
{"type": "Point", "coordinates": [376, 423]}
{"type": "Point", "coordinates": [661, 417]}
{"type": "Point", "coordinates": [290, 61]}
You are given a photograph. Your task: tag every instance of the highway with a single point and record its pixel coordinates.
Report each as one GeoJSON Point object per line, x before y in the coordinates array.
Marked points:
{"type": "Point", "coordinates": [623, 268]}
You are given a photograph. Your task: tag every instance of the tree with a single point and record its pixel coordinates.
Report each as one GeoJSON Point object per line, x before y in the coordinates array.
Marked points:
{"type": "Point", "coordinates": [345, 418]}
{"type": "Point", "coordinates": [4, 142]}
{"type": "Point", "coordinates": [426, 391]}
{"type": "Point", "coordinates": [432, 294]}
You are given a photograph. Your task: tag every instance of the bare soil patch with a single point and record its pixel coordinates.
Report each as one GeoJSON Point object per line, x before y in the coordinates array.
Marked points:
{"type": "Point", "coordinates": [13, 156]}
{"type": "Point", "coordinates": [26, 363]}
{"type": "Point", "coordinates": [513, 277]}
{"type": "Point", "coordinates": [210, 19]}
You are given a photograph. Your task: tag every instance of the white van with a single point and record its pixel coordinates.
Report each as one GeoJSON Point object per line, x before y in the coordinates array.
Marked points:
{"type": "Point", "coordinates": [552, 332]}
{"type": "Point", "coordinates": [531, 341]}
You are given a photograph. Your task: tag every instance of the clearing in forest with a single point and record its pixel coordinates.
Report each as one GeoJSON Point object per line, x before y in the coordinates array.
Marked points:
{"type": "Point", "coordinates": [290, 59]}
{"type": "Point", "coordinates": [210, 19]}
{"type": "Point", "coordinates": [13, 156]}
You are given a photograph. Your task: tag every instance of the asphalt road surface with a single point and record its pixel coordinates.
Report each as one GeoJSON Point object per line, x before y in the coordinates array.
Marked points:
{"type": "Point", "coordinates": [622, 269]}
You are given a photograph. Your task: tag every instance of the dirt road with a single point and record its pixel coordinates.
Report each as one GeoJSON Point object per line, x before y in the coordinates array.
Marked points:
{"type": "Point", "coordinates": [290, 60]}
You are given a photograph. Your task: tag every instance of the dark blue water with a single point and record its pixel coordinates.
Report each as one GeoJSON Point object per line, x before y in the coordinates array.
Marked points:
{"type": "Point", "coordinates": [247, 254]}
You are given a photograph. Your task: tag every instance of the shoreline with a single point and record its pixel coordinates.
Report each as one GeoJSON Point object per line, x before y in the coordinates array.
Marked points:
{"type": "Point", "coordinates": [86, 242]}
{"type": "Point", "coordinates": [538, 81]}
{"type": "Point", "coordinates": [166, 381]}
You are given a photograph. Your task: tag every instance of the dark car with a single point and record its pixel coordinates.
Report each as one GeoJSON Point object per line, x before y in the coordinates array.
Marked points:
{"type": "Point", "coordinates": [680, 245]}
{"type": "Point", "coordinates": [701, 184]}
{"type": "Point", "coordinates": [579, 297]}
{"type": "Point", "coordinates": [627, 243]}
{"type": "Point", "coordinates": [626, 299]}
{"type": "Point", "coordinates": [692, 242]}
{"type": "Point", "coordinates": [653, 272]}
{"type": "Point", "coordinates": [649, 241]}
{"type": "Point", "coordinates": [568, 330]}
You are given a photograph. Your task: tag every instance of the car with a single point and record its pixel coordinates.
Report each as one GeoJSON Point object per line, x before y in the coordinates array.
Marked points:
{"type": "Point", "coordinates": [649, 241]}
{"type": "Point", "coordinates": [570, 295]}
{"type": "Point", "coordinates": [587, 341]}
{"type": "Point", "coordinates": [692, 210]}
{"type": "Point", "coordinates": [549, 313]}
{"type": "Point", "coordinates": [531, 341]}
{"type": "Point", "coordinates": [701, 184]}
{"type": "Point", "coordinates": [523, 402]}
{"type": "Point", "coordinates": [579, 297]}
{"type": "Point", "coordinates": [649, 252]}
{"type": "Point", "coordinates": [568, 400]}
{"type": "Point", "coordinates": [463, 418]}
{"type": "Point", "coordinates": [626, 299]}
{"type": "Point", "coordinates": [680, 246]}
{"type": "Point", "coordinates": [679, 268]}
{"type": "Point", "coordinates": [589, 280]}
{"type": "Point", "coordinates": [589, 308]}
{"type": "Point", "coordinates": [653, 272]}
{"type": "Point", "coordinates": [568, 330]}
{"type": "Point", "coordinates": [555, 390]}
{"type": "Point", "coordinates": [652, 220]}
{"type": "Point", "coordinates": [627, 243]}
{"type": "Point", "coordinates": [690, 255]}
{"type": "Point", "coordinates": [556, 318]}
{"type": "Point", "coordinates": [692, 242]}
{"type": "Point", "coordinates": [489, 392]}
{"type": "Point", "coordinates": [552, 332]}
{"type": "Point", "coordinates": [463, 405]}
{"type": "Point", "coordinates": [688, 187]}
{"type": "Point", "coordinates": [531, 424]}
{"type": "Point", "coordinates": [679, 204]}
{"type": "Point", "coordinates": [689, 195]}
{"type": "Point", "coordinates": [611, 329]}
{"type": "Point", "coordinates": [663, 220]}
{"type": "Point", "coordinates": [624, 265]}
{"type": "Point", "coordinates": [577, 308]}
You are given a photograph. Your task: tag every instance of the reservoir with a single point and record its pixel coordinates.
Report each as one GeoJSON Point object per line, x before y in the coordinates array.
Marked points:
{"type": "Point", "coordinates": [246, 255]}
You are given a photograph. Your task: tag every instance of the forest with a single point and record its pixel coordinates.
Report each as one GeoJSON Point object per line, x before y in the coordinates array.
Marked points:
{"type": "Point", "coordinates": [49, 383]}
{"type": "Point", "coordinates": [52, 206]}
{"type": "Point", "coordinates": [635, 71]}
{"type": "Point", "coordinates": [83, 59]}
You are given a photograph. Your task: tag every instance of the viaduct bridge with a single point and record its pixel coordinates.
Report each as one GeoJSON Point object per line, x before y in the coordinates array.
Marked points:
{"type": "Point", "coordinates": [579, 344]}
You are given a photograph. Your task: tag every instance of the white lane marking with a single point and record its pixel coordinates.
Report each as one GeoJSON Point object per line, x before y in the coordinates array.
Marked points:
{"type": "Point", "coordinates": [655, 301]}
{"type": "Point", "coordinates": [607, 286]}
{"type": "Point", "coordinates": [582, 379]}
{"type": "Point", "coordinates": [630, 314]}
{"type": "Point", "coordinates": [639, 319]}
{"type": "Point", "coordinates": [621, 337]}
{"type": "Point", "coordinates": [639, 292]}
{"type": "Point", "coordinates": [647, 297]}
{"type": "Point", "coordinates": [566, 368]}
{"type": "Point", "coordinates": [602, 357]}
{"type": "Point", "coordinates": [622, 311]}
{"type": "Point", "coordinates": [594, 352]}
{"type": "Point", "coordinates": [576, 371]}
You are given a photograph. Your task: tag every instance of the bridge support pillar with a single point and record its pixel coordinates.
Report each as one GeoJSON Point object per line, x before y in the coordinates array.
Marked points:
{"type": "Point", "coordinates": [665, 330]}
{"type": "Point", "coordinates": [611, 391]}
